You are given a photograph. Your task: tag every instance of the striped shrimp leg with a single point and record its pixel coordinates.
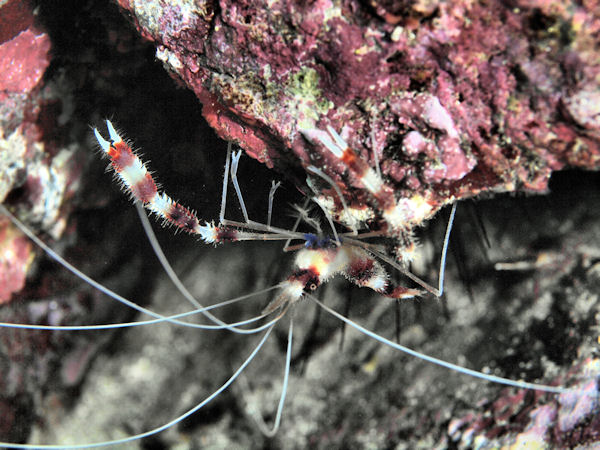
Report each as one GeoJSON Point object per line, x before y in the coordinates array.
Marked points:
{"type": "Point", "coordinates": [399, 214]}
{"type": "Point", "coordinates": [138, 182]}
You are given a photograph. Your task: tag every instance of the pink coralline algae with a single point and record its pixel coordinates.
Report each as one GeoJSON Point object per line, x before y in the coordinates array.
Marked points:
{"type": "Point", "coordinates": [454, 98]}
{"type": "Point", "coordinates": [25, 58]}
{"type": "Point", "coordinates": [15, 258]}
{"type": "Point", "coordinates": [29, 161]}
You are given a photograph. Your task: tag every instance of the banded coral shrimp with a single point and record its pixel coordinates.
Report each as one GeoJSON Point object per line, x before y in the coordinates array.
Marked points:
{"type": "Point", "coordinates": [368, 364]}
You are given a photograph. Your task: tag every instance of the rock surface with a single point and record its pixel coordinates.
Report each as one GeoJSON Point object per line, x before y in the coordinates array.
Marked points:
{"type": "Point", "coordinates": [455, 99]}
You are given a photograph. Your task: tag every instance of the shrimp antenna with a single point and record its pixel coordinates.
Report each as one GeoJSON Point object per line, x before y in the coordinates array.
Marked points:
{"type": "Point", "coordinates": [164, 262]}
{"type": "Point", "coordinates": [164, 427]}
{"type": "Point", "coordinates": [112, 294]}
{"type": "Point", "coordinates": [441, 362]}
{"type": "Point", "coordinates": [256, 414]}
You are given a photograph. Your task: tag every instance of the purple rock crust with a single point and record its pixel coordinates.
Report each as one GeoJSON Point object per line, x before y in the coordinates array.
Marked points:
{"type": "Point", "coordinates": [452, 98]}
